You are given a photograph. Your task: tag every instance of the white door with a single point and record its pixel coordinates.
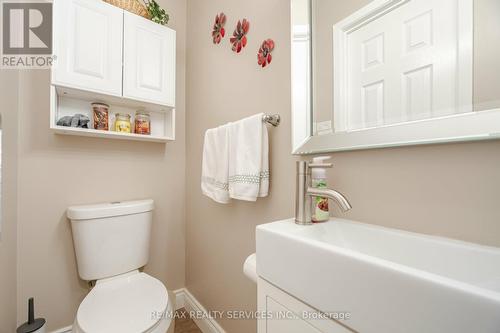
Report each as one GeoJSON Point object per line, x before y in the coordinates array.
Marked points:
{"type": "Point", "coordinates": [405, 66]}
{"type": "Point", "coordinates": [149, 61]}
{"type": "Point", "coordinates": [88, 36]}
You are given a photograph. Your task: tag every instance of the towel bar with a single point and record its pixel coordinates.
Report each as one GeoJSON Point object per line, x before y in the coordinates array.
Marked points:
{"type": "Point", "coordinates": [273, 119]}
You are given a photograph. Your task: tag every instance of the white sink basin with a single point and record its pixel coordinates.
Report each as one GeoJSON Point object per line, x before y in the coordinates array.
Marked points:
{"type": "Point", "coordinates": [388, 280]}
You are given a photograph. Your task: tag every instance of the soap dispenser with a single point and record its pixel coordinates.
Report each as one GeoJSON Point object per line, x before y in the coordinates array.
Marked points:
{"type": "Point", "coordinates": [321, 213]}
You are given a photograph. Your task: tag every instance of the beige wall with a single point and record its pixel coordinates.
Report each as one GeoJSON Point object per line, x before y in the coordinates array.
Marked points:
{"type": "Point", "coordinates": [223, 86]}
{"type": "Point", "coordinates": [8, 232]}
{"type": "Point", "coordinates": [486, 54]}
{"type": "Point", "coordinates": [58, 171]}
{"type": "Point", "coordinates": [325, 14]}
{"type": "Point", "coordinates": [447, 190]}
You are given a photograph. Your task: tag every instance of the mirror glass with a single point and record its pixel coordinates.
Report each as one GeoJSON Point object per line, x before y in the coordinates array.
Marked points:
{"type": "Point", "coordinates": [378, 73]}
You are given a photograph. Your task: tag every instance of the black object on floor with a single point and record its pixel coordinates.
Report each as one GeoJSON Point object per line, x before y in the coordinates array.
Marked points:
{"type": "Point", "coordinates": [33, 325]}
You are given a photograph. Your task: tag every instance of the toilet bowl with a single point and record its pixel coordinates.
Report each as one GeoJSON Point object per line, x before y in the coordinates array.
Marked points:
{"type": "Point", "coordinates": [129, 303]}
{"type": "Point", "coordinates": [111, 244]}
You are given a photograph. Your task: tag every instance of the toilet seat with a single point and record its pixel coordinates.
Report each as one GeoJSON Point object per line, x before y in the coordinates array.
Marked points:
{"type": "Point", "coordinates": [130, 303]}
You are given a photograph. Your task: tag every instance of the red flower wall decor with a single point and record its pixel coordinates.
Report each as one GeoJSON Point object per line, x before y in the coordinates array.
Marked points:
{"type": "Point", "coordinates": [239, 39]}
{"type": "Point", "coordinates": [264, 56]}
{"type": "Point", "coordinates": [219, 32]}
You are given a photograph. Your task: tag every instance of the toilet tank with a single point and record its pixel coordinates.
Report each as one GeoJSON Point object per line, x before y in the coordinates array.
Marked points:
{"type": "Point", "coordinates": [112, 238]}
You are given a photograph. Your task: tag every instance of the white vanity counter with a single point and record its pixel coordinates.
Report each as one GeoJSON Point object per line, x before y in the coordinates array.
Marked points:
{"type": "Point", "coordinates": [387, 280]}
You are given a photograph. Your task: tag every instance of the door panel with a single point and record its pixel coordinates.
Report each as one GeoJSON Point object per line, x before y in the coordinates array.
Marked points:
{"type": "Point", "coordinates": [149, 61]}
{"type": "Point", "coordinates": [404, 65]}
{"type": "Point", "coordinates": [88, 45]}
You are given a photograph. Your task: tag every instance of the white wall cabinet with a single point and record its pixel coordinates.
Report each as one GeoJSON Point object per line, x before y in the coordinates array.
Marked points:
{"type": "Point", "coordinates": [88, 39]}
{"type": "Point", "coordinates": [149, 61]}
{"type": "Point", "coordinates": [282, 313]}
{"type": "Point", "coordinates": [105, 49]}
{"type": "Point", "coordinates": [108, 55]}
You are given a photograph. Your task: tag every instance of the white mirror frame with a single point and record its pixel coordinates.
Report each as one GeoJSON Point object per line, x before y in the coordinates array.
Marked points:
{"type": "Point", "coordinates": [474, 126]}
{"type": "Point", "coordinates": [471, 126]}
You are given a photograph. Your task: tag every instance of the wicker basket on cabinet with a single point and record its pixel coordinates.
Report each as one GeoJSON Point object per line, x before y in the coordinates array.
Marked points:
{"type": "Point", "coordinates": [133, 6]}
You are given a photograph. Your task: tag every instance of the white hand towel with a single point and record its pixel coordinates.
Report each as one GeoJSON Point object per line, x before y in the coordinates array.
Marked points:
{"type": "Point", "coordinates": [248, 159]}
{"type": "Point", "coordinates": [215, 172]}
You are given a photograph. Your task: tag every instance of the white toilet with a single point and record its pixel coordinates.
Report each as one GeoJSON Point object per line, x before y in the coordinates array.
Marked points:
{"type": "Point", "coordinates": [111, 244]}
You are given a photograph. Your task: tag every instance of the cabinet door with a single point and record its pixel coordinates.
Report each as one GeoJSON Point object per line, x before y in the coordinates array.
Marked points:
{"type": "Point", "coordinates": [149, 61]}
{"type": "Point", "coordinates": [88, 39]}
{"type": "Point", "coordinates": [286, 314]}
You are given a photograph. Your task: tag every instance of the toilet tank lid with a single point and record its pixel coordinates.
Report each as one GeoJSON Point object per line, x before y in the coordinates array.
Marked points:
{"type": "Point", "coordinates": [109, 209]}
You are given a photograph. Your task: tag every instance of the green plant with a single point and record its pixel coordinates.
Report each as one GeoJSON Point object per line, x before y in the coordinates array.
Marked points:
{"type": "Point", "coordinates": [158, 14]}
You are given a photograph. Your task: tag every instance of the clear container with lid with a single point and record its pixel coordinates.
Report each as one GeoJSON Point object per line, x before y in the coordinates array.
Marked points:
{"type": "Point", "coordinates": [142, 123]}
{"type": "Point", "coordinates": [101, 116]}
{"type": "Point", "coordinates": [122, 123]}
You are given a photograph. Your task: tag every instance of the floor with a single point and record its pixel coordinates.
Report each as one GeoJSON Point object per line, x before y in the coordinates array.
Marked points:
{"type": "Point", "coordinates": [184, 324]}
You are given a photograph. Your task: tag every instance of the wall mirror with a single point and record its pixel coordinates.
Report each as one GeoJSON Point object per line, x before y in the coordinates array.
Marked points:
{"type": "Point", "coordinates": [383, 73]}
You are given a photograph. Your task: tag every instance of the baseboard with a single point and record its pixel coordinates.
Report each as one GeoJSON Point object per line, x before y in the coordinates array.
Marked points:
{"type": "Point", "coordinates": [64, 330]}
{"type": "Point", "coordinates": [180, 298]}
{"type": "Point", "coordinates": [184, 299]}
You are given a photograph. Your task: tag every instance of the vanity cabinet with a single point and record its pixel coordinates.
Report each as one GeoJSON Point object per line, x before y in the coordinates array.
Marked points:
{"type": "Point", "coordinates": [88, 39]}
{"type": "Point", "coordinates": [148, 61]}
{"type": "Point", "coordinates": [283, 313]}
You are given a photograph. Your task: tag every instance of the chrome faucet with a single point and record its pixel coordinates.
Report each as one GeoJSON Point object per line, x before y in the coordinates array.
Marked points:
{"type": "Point", "coordinates": [305, 192]}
